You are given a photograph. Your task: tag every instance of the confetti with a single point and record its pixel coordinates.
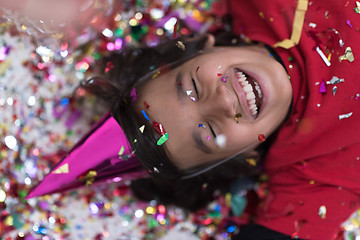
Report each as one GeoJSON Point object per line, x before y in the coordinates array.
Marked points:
{"type": "Point", "coordinates": [251, 161]}
{"type": "Point", "coordinates": [357, 9]}
{"type": "Point", "coordinates": [202, 125]}
{"type": "Point", "coordinates": [163, 139]}
{"type": "Point", "coordinates": [323, 57]}
{"type": "Point", "coordinates": [223, 79]}
{"type": "Point", "coordinates": [121, 151]}
{"type": "Point", "coordinates": [146, 105]}
{"type": "Point", "coordinates": [133, 95]}
{"type": "Point", "coordinates": [180, 45]}
{"type": "Point", "coordinates": [297, 26]}
{"type": "Point", "coordinates": [62, 169]}
{"type": "Point", "coordinates": [322, 212]}
{"type": "Point", "coordinates": [188, 92]}
{"type": "Point", "coordinates": [348, 55]}
{"type": "Point", "coordinates": [322, 88]}
{"type": "Point", "coordinates": [142, 128]}
{"type": "Point", "coordinates": [155, 75]}
{"type": "Point", "coordinates": [145, 115]}
{"type": "Point", "coordinates": [349, 23]}
{"type": "Point", "coordinates": [88, 178]}
{"type": "Point", "coordinates": [220, 141]}
{"type": "Point", "coordinates": [193, 99]}
{"type": "Point", "coordinates": [261, 138]}
{"type": "Point", "coordinates": [334, 90]}
{"type": "Point", "coordinates": [159, 128]}
{"type": "Point", "coordinates": [335, 80]}
{"type": "Point", "coordinates": [343, 116]}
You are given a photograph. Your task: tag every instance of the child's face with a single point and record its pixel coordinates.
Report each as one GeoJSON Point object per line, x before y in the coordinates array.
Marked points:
{"type": "Point", "coordinates": [220, 94]}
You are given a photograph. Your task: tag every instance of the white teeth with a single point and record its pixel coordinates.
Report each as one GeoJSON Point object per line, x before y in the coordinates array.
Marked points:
{"type": "Point", "coordinates": [249, 90]}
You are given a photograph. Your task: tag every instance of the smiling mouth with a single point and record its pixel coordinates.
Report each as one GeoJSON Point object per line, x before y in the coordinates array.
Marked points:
{"type": "Point", "coordinates": [251, 87]}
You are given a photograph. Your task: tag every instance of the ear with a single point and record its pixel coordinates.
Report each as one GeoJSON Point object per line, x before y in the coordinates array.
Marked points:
{"type": "Point", "coordinates": [210, 42]}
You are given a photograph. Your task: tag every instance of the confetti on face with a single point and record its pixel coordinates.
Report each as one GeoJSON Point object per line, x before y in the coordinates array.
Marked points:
{"type": "Point", "coordinates": [159, 128]}
{"type": "Point", "coordinates": [223, 79]}
{"type": "Point", "coordinates": [322, 212]}
{"type": "Point", "coordinates": [220, 141]}
{"type": "Point", "coordinates": [146, 105]}
{"type": "Point", "coordinates": [343, 116]}
{"type": "Point", "coordinates": [193, 99]}
{"type": "Point", "coordinates": [208, 138]}
{"type": "Point", "coordinates": [188, 92]}
{"type": "Point", "coordinates": [145, 115]}
{"type": "Point", "coordinates": [202, 125]}
{"type": "Point", "coordinates": [163, 139]}
{"type": "Point", "coordinates": [219, 74]}
{"type": "Point", "coordinates": [261, 138]}
{"type": "Point", "coordinates": [237, 116]}
{"type": "Point", "coordinates": [155, 75]}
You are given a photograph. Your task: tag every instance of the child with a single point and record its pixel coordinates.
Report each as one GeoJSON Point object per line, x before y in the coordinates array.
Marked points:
{"type": "Point", "coordinates": [186, 106]}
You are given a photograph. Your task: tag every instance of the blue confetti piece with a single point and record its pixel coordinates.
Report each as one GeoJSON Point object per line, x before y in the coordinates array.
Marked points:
{"type": "Point", "coordinates": [144, 113]}
{"type": "Point", "coordinates": [64, 101]}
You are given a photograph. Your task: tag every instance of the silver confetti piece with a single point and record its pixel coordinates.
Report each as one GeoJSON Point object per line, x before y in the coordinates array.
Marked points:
{"type": "Point", "coordinates": [342, 116]}
{"type": "Point", "coordinates": [334, 90]}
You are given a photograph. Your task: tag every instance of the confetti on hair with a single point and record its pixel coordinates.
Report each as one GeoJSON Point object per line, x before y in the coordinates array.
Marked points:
{"type": "Point", "coordinates": [261, 138]}
{"type": "Point", "coordinates": [156, 74]}
{"type": "Point", "coordinates": [322, 88]}
{"type": "Point", "coordinates": [109, 66]}
{"type": "Point", "coordinates": [159, 128]}
{"type": "Point", "coordinates": [348, 55]}
{"type": "Point", "coordinates": [142, 128]}
{"type": "Point", "coordinates": [145, 115]}
{"type": "Point", "coordinates": [146, 105]}
{"type": "Point", "coordinates": [343, 116]}
{"type": "Point", "coordinates": [62, 169]}
{"type": "Point", "coordinates": [163, 139]}
{"type": "Point", "coordinates": [251, 161]}
{"type": "Point", "coordinates": [220, 141]}
{"type": "Point", "coordinates": [156, 170]}
{"type": "Point", "coordinates": [180, 45]}
{"type": "Point", "coordinates": [322, 212]}
{"type": "Point", "coordinates": [133, 95]}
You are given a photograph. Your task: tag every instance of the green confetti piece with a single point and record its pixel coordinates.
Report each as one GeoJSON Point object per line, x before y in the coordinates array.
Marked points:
{"type": "Point", "coordinates": [122, 149]}
{"type": "Point", "coordinates": [163, 139]}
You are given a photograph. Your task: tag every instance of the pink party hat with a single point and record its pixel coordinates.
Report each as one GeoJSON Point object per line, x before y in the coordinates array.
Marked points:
{"type": "Point", "coordinates": [103, 155]}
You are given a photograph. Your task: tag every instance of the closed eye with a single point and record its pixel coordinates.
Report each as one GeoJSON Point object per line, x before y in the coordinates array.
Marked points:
{"type": "Point", "coordinates": [212, 130]}
{"type": "Point", "coordinates": [195, 88]}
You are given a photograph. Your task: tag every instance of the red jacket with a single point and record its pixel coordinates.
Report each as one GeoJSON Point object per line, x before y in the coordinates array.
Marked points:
{"type": "Point", "coordinates": [314, 161]}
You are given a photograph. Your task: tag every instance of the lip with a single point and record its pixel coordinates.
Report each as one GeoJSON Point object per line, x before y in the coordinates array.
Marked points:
{"type": "Point", "coordinates": [241, 95]}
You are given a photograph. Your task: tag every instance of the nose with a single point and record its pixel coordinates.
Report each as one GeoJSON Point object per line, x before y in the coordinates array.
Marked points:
{"type": "Point", "coordinates": [219, 104]}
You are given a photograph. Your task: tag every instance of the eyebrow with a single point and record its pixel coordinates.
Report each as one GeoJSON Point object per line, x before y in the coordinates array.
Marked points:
{"type": "Point", "coordinates": [200, 143]}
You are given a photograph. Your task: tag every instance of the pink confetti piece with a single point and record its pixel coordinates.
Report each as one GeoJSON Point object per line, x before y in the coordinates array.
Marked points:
{"type": "Point", "coordinates": [348, 23]}
{"type": "Point", "coordinates": [322, 88]}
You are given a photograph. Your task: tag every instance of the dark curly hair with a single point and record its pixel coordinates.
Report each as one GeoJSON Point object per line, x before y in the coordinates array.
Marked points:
{"type": "Point", "coordinates": [129, 69]}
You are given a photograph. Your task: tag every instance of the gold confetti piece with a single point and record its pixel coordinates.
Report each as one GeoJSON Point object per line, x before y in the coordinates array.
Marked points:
{"type": "Point", "coordinates": [296, 27]}
{"type": "Point", "coordinates": [89, 177]}
{"type": "Point", "coordinates": [156, 74]}
{"type": "Point", "coordinates": [4, 66]}
{"type": "Point", "coordinates": [322, 212]}
{"type": "Point", "coordinates": [348, 55]}
{"type": "Point", "coordinates": [180, 45]}
{"type": "Point", "coordinates": [142, 128]}
{"type": "Point", "coordinates": [251, 161]}
{"type": "Point", "coordinates": [62, 169]}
